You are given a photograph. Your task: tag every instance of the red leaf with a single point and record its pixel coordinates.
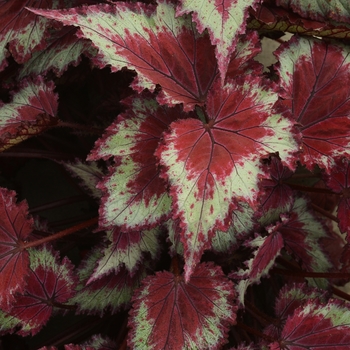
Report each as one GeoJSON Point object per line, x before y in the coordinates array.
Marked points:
{"type": "Point", "coordinates": [32, 109]}
{"type": "Point", "coordinates": [213, 160]}
{"type": "Point", "coordinates": [315, 75]}
{"type": "Point", "coordinates": [49, 282]}
{"type": "Point", "coordinates": [278, 198]}
{"type": "Point", "coordinates": [162, 48]}
{"type": "Point", "coordinates": [15, 228]}
{"type": "Point", "coordinates": [23, 31]}
{"type": "Point", "coordinates": [316, 326]}
{"type": "Point", "coordinates": [171, 314]}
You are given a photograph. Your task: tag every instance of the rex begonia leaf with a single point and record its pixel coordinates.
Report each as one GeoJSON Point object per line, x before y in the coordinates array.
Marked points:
{"type": "Point", "coordinates": [49, 282]}
{"type": "Point", "coordinates": [277, 198]}
{"type": "Point", "coordinates": [65, 49]}
{"type": "Point", "coordinates": [267, 249]}
{"type": "Point", "coordinates": [224, 20]}
{"type": "Point", "coordinates": [22, 32]}
{"type": "Point", "coordinates": [302, 232]}
{"type": "Point", "coordinates": [210, 162]}
{"type": "Point", "coordinates": [278, 19]}
{"type": "Point", "coordinates": [290, 297]}
{"type": "Point", "coordinates": [32, 109]}
{"type": "Point", "coordinates": [316, 326]}
{"type": "Point", "coordinates": [89, 173]}
{"type": "Point", "coordinates": [161, 48]}
{"type": "Point", "coordinates": [339, 182]}
{"type": "Point", "coordinates": [171, 314]}
{"type": "Point", "coordinates": [15, 228]}
{"type": "Point", "coordinates": [134, 194]}
{"type": "Point", "coordinates": [112, 291]}
{"type": "Point", "coordinates": [314, 76]}
{"type": "Point", "coordinates": [321, 10]}
{"type": "Point", "coordinates": [126, 248]}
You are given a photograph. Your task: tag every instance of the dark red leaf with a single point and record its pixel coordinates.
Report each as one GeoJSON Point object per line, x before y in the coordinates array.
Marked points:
{"type": "Point", "coordinates": [171, 314]}
{"type": "Point", "coordinates": [314, 77]}
{"type": "Point", "coordinates": [50, 283]}
{"type": "Point", "coordinates": [15, 228]}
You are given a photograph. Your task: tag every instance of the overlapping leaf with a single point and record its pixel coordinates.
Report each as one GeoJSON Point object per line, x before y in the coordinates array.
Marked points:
{"type": "Point", "coordinates": [169, 313]}
{"type": "Point", "coordinates": [112, 291]}
{"type": "Point", "coordinates": [316, 326]}
{"type": "Point", "coordinates": [267, 249]}
{"type": "Point", "coordinates": [224, 21]}
{"type": "Point", "coordinates": [161, 48]}
{"type": "Point", "coordinates": [65, 49]}
{"type": "Point", "coordinates": [289, 299]}
{"type": "Point", "coordinates": [302, 232]}
{"type": "Point", "coordinates": [315, 75]}
{"type": "Point", "coordinates": [277, 197]}
{"type": "Point", "coordinates": [21, 31]}
{"type": "Point", "coordinates": [31, 111]}
{"type": "Point", "coordinates": [49, 282]}
{"type": "Point", "coordinates": [126, 249]}
{"type": "Point", "coordinates": [321, 10]}
{"type": "Point", "coordinates": [210, 162]}
{"type": "Point", "coordinates": [134, 195]}
{"type": "Point", "coordinates": [15, 228]}
{"type": "Point", "coordinates": [274, 18]}
{"type": "Point", "coordinates": [339, 182]}
{"type": "Point", "coordinates": [89, 173]}
{"type": "Point", "coordinates": [242, 225]}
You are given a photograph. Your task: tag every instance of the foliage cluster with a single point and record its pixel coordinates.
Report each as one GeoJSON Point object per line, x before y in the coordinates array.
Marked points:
{"type": "Point", "coordinates": [202, 199]}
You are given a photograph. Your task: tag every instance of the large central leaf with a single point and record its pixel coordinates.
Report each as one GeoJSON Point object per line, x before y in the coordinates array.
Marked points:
{"type": "Point", "coordinates": [209, 163]}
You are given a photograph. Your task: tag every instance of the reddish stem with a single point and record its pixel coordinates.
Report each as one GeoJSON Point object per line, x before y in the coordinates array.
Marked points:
{"type": "Point", "coordinates": [340, 293]}
{"type": "Point", "coordinates": [324, 212]}
{"type": "Point", "coordinates": [309, 189]}
{"type": "Point", "coordinates": [60, 234]}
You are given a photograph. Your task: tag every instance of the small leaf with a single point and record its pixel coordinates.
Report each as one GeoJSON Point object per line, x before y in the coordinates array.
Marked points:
{"type": "Point", "coordinates": [89, 173]}
{"type": "Point", "coordinates": [126, 249]}
{"type": "Point", "coordinates": [224, 21]}
{"type": "Point", "coordinates": [162, 48]}
{"type": "Point", "coordinates": [267, 249]}
{"type": "Point", "coordinates": [15, 228]}
{"type": "Point", "coordinates": [30, 112]}
{"type": "Point", "coordinates": [313, 75]}
{"type": "Point", "coordinates": [316, 326]}
{"type": "Point", "coordinates": [169, 313]}
{"type": "Point", "coordinates": [65, 49]}
{"type": "Point", "coordinates": [49, 282]}
{"type": "Point", "coordinates": [21, 31]}
{"type": "Point", "coordinates": [277, 197]}
{"type": "Point", "coordinates": [110, 292]}
{"type": "Point", "coordinates": [208, 164]}
{"type": "Point", "coordinates": [320, 10]}
{"type": "Point", "coordinates": [275, 18]}
{"type": "Point", "coordinates": [289, 299]}
{"type": "Point", "coordinates": [302, 232]}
